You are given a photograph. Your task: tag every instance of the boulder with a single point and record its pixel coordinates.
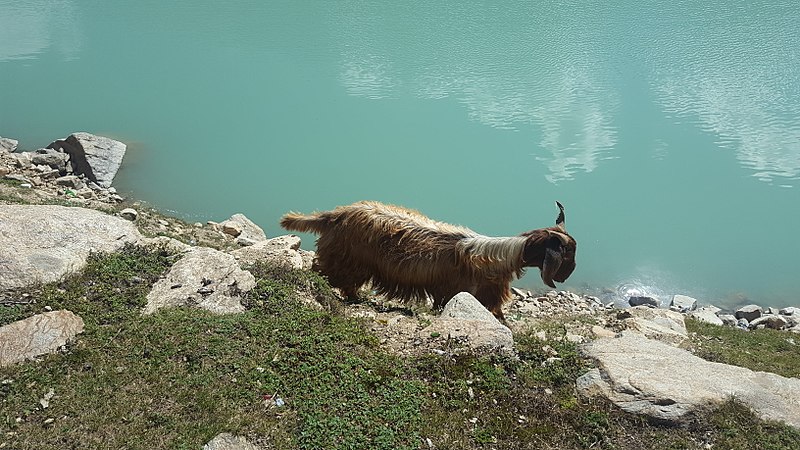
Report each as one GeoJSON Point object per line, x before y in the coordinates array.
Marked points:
{"type": "Point", "coordinates": [683, 303]}
{"type": "Point", "coordinates": [38, 335]}
{"type": "Point", "coordinates": [465, 318]}
{"type": "Point", "coordinates": [227, 441]}
{"type": "Point", "coordinates": [96, 157]}
{"type": "Point", "coordinates": [643, 301]}
{"type": "Point", "coordinates": [648, 377]}
{"type": "Point", "coordinates": [660, 324]}
{"type": "Point", "coordinates": [749, 312]}
{"type": "Point", "coordinates": [42, 243]}
{"type": "Point", "coordinates": [281, 250]}
{"type": "Point", "coordinates": [203, 278]}
{"type": "Point", "coordinates": [8, 145]}
{"type": "Point", "coordinates": [707, 315]}
{"type": "Point", "coordinates": [241, 227]}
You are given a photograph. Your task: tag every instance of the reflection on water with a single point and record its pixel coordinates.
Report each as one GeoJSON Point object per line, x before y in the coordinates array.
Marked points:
{"type": "Point", "coordinates": [34, 26]}
{"type": "Point", "coordinates": [498, 64]}
{"type": "Point", "coordinates": [733, 72]}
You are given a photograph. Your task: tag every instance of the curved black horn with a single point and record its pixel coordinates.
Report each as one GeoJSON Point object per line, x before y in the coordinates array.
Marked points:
{"type": "Point", "coordinates": [560, 218]}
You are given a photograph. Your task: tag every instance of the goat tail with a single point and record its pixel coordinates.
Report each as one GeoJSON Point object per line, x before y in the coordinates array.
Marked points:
{"type": "Point", "coordinates": [314, 223]}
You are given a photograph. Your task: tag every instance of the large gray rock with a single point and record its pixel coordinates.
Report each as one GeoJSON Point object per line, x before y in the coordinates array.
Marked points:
{"type": "Point", "coordinates": [37, 335]}
{"type": "Point", "coordinates": [8, 145]}
{"type": "Point", "coordinates": [227, 441]}
{"type": "Point", "coordinates": [204, 278]}
{"type": "Point", "coordinates": [648, 377]}
{"type": "Point", "coordinates": [466, 319]}
{"type": "Point", "coordinates": [239, 226]}
{"type": "Point", "coordinates": [42, 243]}
{"type": "Point", "coordinates": [661, 324]}
{"type": "Point", "coordinates": [281, 250]}
{"type": "Point", "coordinates": [96, 157]}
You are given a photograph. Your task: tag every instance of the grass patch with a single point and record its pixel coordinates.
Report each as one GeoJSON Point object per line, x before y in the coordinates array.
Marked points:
{"type": "Point", "coordinates": [177, 378]}
{"type": "Point", "coordinates": [764, 350]}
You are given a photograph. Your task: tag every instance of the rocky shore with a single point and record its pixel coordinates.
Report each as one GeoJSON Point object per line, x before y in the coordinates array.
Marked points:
{"type": "Point", "coordinates": [58, 206]}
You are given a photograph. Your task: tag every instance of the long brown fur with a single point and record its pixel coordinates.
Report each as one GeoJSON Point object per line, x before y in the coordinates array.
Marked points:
{"type": "Point", "coordinates": [408, 256]}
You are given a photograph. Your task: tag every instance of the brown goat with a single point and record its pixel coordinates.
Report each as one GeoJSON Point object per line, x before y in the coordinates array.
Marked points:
{"type": "Point", "coordinates": [408, 256]}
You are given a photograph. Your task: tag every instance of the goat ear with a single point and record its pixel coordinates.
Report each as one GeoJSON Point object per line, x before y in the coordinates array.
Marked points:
{"type": "Point", "coordinates": [550, 266]}
{"type": "Point", "coordinates": [560, 219]}
{"type": "Point", "coordinates": [553, 258]}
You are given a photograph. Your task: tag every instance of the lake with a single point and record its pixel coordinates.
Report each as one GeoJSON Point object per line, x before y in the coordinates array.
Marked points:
{"type": "Point", "coordinates": [669, 130]}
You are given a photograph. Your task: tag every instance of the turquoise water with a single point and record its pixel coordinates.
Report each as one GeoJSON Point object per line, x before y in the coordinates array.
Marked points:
{"type": "Point", "coordinates": [669, 130]}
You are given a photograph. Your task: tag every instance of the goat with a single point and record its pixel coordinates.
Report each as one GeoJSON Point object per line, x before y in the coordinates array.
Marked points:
{"type": "Point", "coordinates": [409, 256]}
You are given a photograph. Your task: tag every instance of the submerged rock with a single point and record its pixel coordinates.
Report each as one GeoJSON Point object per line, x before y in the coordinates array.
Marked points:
{"type": "Point", "coordinates": [643, 301]}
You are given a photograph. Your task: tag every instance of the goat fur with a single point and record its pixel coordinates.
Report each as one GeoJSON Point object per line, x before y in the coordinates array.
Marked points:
{"type": "Point", "coordinates": [408, 256]}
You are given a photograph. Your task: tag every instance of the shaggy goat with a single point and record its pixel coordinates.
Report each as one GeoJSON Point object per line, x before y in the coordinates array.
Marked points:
{"type": "Point", "coordinates": [407, 255]}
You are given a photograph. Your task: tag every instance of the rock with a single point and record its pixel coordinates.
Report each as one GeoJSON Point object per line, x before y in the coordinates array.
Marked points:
{"type": "Point", "coordinates": [464, 318]}
{"type": "Point", "coordinates": [38, 335]}
{"type": "Point", "coordinates": [643, 376]}
{"type": "Point", "coordinates": [642, 300]}
{"type": "Point", "coordinates": [769, 321]}
{"type": "Point", "coordinates": [242, 227]}
{"type": "Point", "coordinates": [281, 250]}
{"type": "Point", "coordinates": [600, 332]}
{"type": "Point", "coordinates": [205, 278]}
{"type": "Point", "coordinates": [129, 214]}
{"type": "Point", "coordinates": [231, 228]}
{"type": "Point", "coordinates": [42, 243]}
{"type": "Point", "coordinates": [660, 324]}
{"type": "Point", "coordinates": [790, 311]}
{"type": "Point", "coordinates": [227, 441]}
{"type": "Point", "coordinates": [728, 319]}
{"type": "Point", "coordinates": [71, 181]}
{"type": "Point", "coordinates": [8, 145]}
{"type": "Point", "coordinates": [683, 303]}
{"type": "Point", "coordinates": [743, 324]}
{"type": "Point", "coordinates": [17, 177]}
{"type": "Point", "coordinates": [308, 258]}
{"type": "Point", "coordinates": [707, 315]}
{"type": "Point", "coordinates": [96, 157]}
{"type": "Point", "coordinates": [749, 312]}
{"type": "Point", "coordinates": [48, 157]}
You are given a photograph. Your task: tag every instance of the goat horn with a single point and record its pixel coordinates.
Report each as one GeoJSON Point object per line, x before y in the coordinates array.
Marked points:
{"type": "Point", "coordinates": [560, 218]}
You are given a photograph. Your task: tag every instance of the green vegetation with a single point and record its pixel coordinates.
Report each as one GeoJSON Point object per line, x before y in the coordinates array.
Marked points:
{"type": "Point", "coordinates": [765, 350]}
{"type": "Point", "coordinates": [181, 376]}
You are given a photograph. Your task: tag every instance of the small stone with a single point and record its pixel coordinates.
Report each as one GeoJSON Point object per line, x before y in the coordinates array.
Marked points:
{"type": "Point", "coordinates": [71, 181]}
{"type": "Point", "coordinates": [790, 311]}
{"type": "Point", "coordinates": [683, 303]}
{"type": "Point", "coordinates": [749, 312]}
{"type": "Point", "coordinates": [129, 214]}
{"type": "Point", "coordinates": [706, 315]}
{"type": "Point", "coordinates": [231, 228]}
{"type": "Point", "coordinates": [643, 301]}
{"type": "Point", "coordinates": [602, 332]}
{"type": "Point", "coordinates": [728, 319]}
{"type": "Point", "coordinates": [769, 321]}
